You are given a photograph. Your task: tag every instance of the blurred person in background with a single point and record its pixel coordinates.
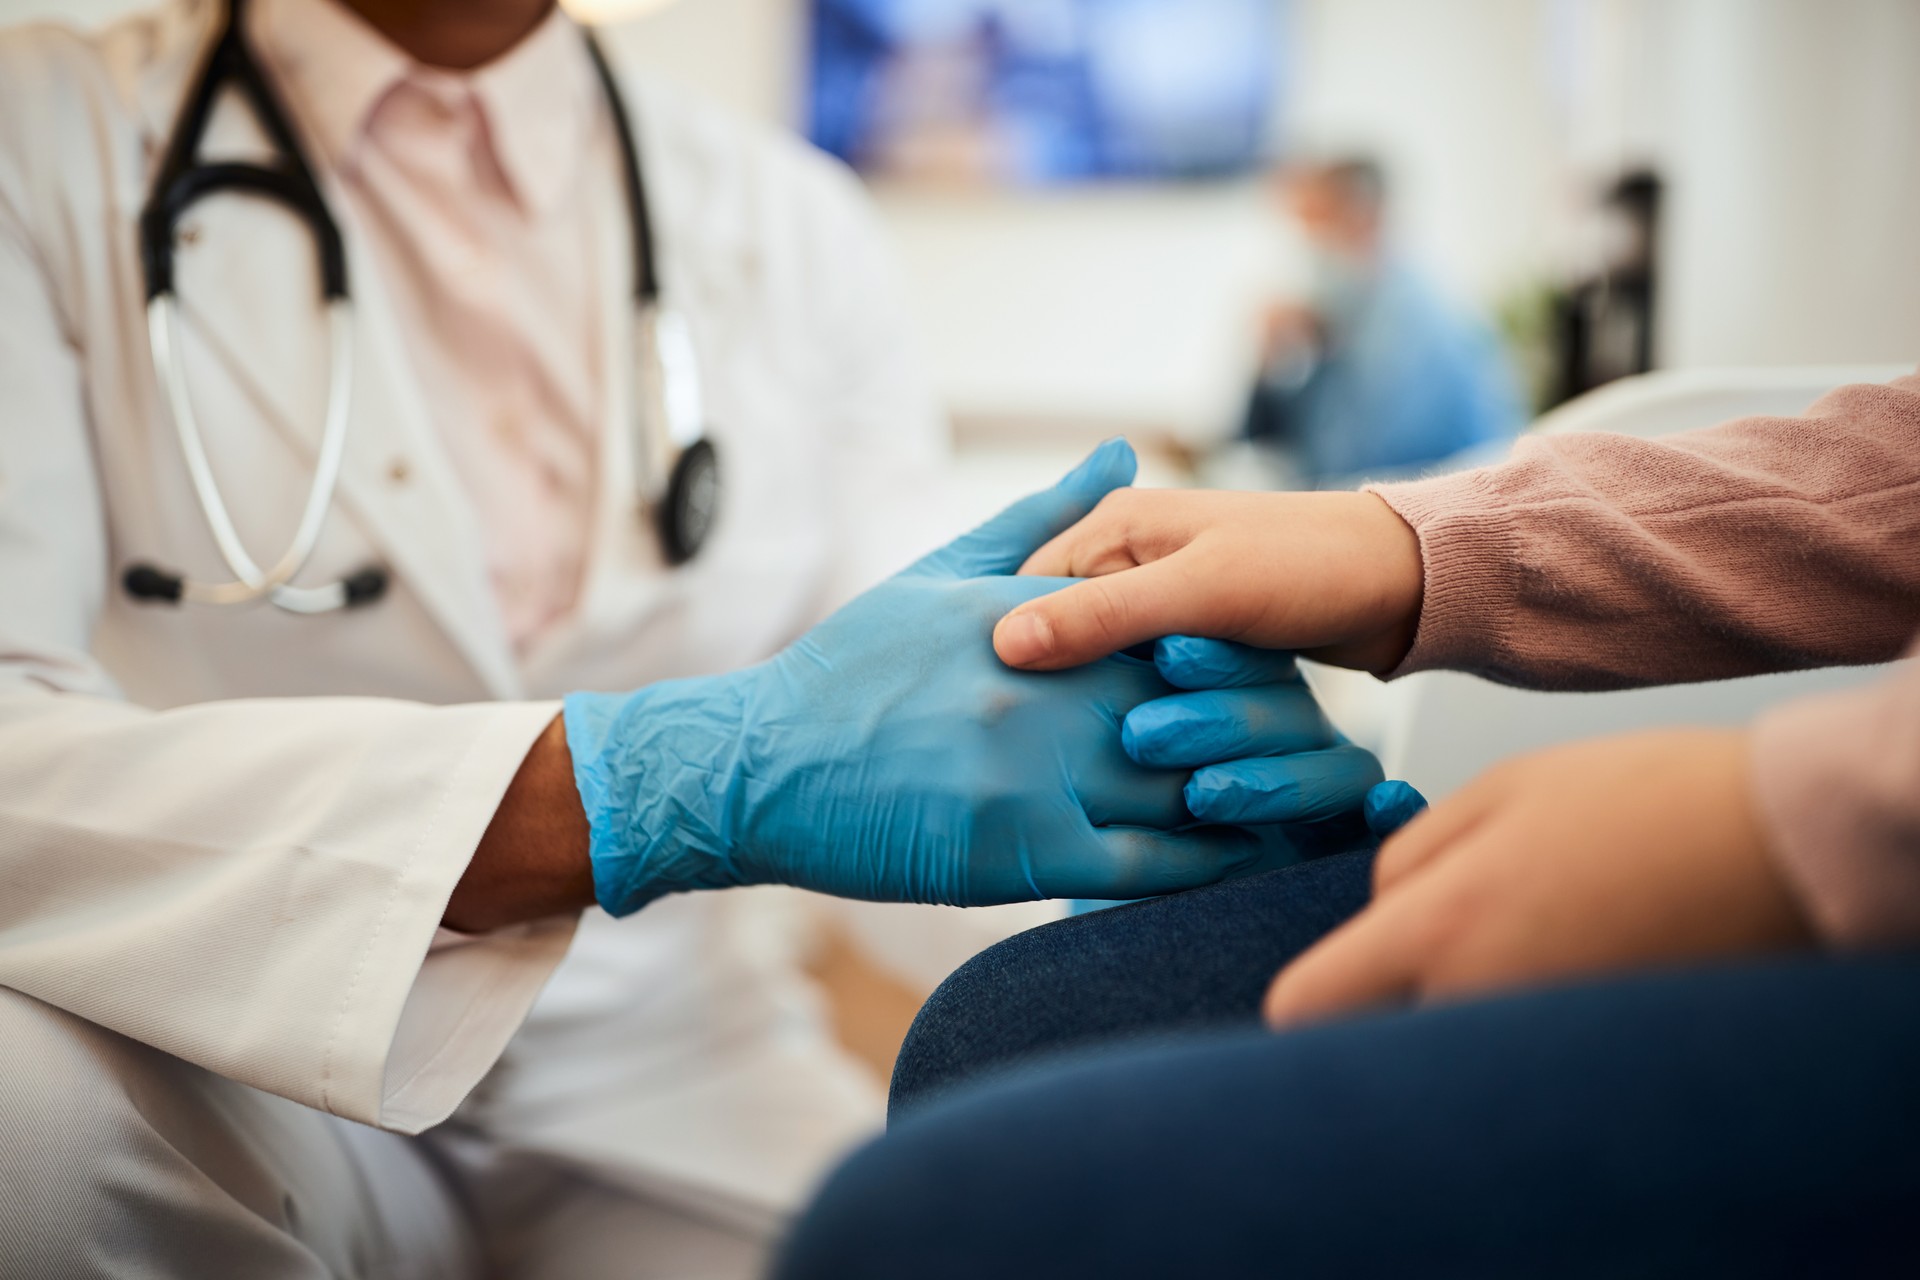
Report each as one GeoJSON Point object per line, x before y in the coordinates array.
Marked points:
{"type": "Point", "coordinates": [1374, 372]}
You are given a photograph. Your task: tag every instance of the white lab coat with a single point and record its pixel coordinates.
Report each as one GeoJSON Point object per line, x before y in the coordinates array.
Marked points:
{"type": "Point", "coordinates": [230, 833]}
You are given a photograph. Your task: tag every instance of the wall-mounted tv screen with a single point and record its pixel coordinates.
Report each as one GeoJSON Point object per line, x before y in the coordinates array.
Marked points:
{"type": "Point", "coordinates": [1042, 92]}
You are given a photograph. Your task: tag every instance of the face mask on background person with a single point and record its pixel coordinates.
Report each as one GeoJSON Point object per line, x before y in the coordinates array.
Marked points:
{"type": "Point", "coordinates": [1340, 286]}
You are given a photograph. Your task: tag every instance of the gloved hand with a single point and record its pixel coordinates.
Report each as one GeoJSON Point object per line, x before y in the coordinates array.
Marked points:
{"type": "Point", "coordinates": [889, 754]}
{"type": "Point", "coordinates": [1261, 749]}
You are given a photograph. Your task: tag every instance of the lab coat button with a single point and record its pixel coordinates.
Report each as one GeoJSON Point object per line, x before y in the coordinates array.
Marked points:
{"type": "Point", "coordinates": [189, 235]}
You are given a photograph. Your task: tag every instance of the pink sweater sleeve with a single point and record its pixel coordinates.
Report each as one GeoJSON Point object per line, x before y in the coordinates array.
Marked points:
{"type": "Point", "coordinates": [1595, 561]}
{"type": "Point", "coordinates": [1598, 561]}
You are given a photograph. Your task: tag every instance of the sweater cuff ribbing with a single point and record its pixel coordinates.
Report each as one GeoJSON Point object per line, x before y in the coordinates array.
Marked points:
{"type": "Point", "coordinates": [1469, 565]}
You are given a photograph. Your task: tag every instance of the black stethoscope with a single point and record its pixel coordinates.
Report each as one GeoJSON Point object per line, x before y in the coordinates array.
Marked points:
{"type": "Point", "coordinates": [678, 468]}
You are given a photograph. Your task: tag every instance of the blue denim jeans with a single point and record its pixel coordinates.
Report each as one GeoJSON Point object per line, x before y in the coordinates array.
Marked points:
{"type": "Point", "coordinates": [1095, 1099]}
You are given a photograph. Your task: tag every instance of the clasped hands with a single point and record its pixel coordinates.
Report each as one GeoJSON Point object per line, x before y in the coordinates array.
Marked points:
{"type": "Point", "coordinates": [889, 754]}
{"type": "Point", "coordinates": [1631, 852]}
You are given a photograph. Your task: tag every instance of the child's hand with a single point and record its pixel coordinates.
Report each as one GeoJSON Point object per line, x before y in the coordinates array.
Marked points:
{"type": "Point", "coordinates": [1336, 576]}
{"type": "Point", "coordinates": [1622, 853]}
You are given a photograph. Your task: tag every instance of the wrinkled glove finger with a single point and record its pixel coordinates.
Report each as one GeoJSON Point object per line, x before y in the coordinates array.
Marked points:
{"type": "Point", "coordinates": [1190, 730]}
{"type": "Point", "coordinates": [1308, 787]}
{"type": "Point", "coordinates": [1194, 662]}
{"type": "Point", "coordinates": [1391, 806]}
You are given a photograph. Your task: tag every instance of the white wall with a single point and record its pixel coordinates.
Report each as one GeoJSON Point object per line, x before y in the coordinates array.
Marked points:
{"type": "Point", "coordinates": [1458, 99]}
{"type": "Point", "coordinates": [744, 53]}
{"type": "Point", "coordinates": [1089, 312]}
{"type": "Point", "coordinates": [1795, 147]}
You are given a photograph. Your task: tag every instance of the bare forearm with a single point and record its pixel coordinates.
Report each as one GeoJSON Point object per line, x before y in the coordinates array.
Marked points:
{"type": "Point", "coordinates": [532, 862]}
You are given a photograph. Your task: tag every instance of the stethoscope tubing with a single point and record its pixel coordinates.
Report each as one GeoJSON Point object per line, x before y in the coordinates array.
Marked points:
{"type": "Point", "coordinates": [250, 582]}
{"type": "Point", "coordinates": [677, 470]}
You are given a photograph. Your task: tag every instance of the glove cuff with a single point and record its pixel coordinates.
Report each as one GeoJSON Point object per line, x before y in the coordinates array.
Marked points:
{"type": "Point", "coordinates": [655, 771]}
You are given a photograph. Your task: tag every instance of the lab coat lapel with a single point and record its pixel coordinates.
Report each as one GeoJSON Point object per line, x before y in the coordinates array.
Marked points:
{"type": "Point", "coordinates": [628, 585]}
{"type": "Point", "coordinates": [623, 539]}
{"type": "Point", "coordinates": [176, 43]}
{"type": "Point", "coordinates": [400, 483]}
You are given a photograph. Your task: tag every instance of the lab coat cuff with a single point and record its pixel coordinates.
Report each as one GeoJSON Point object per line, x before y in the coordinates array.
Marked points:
{"type": "Point", "coordinates": [422, 1024]}
{"type": "Point", "coordinates": [1468, 554]}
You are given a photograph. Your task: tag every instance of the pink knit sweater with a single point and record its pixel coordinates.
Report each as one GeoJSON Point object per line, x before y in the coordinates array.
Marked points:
{"type": "Point", "coordinates": [1596, 561]}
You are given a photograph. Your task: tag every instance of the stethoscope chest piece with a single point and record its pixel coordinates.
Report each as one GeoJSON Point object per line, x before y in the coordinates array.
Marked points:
{"type": "Point", "coordinates": [692, 501]}
{"type": "Point", "coordinates": [679, 467]}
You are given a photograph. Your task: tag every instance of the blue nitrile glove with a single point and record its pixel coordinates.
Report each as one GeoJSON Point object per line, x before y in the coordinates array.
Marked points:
{"type": "Point", "coordinates": [889, 754]}
{"type": "Point", "coordinates": [1391, 806]}
{"type": "Point", "coordinates": [1261, 749]}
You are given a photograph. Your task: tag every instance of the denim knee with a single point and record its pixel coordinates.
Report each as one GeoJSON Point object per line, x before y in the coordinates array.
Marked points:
{"type": "Point", "coordinates": [1195, 960]}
